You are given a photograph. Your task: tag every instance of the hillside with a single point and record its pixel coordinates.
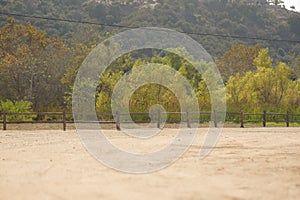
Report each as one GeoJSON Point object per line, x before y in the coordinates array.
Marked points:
{"type": "Point", "coordinates": [42, 57]}
{"type": "Point", "coordinates": [238, 18]}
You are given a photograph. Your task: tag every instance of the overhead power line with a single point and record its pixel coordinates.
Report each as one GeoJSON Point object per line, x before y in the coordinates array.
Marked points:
{"type": "Point", "coordinates": [133, 27]}
{"type": "Point", "coordinates": [64, 20]}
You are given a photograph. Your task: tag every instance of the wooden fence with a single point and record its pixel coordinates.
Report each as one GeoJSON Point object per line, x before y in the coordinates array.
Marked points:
{"type": "Point", "coordinates": [240, 118]}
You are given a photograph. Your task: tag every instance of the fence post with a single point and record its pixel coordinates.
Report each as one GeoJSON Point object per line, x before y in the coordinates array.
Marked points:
{"type": "Point", "coordinates": [4, 120]}
{"type": "Point", "coordinates": [118, 121]}
{"type": "Point", "coordinates": [158, 119]}
{"type": "Point", "coordinates": [215, 119]}
{"type": "Point", "coordinates": [287, 119]}
{"type": "Point", "coordinates": [188, 119]}
{"type": "Point", "coordinates": [64, 120]}
{"type": "Point", "coordinates": [265, 118]}
{"type": "Point", "coordinates": [242, 119]}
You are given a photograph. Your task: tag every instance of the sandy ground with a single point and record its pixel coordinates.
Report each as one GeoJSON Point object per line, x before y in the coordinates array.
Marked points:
{"type": "Point", "coordinates": [253, 163]}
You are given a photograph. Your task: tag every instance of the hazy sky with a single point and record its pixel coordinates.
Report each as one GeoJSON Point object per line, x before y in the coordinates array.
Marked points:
{"type": "Point", "coordinates": [289, 3]}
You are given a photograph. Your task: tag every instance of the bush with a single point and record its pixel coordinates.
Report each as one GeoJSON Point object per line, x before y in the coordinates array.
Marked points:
{"type": "Point", "coordinates": [16, 107]}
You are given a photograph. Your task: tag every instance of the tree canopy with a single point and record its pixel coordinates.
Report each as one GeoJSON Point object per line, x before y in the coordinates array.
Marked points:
{"type": "Point", "coordinates": [40, 59]}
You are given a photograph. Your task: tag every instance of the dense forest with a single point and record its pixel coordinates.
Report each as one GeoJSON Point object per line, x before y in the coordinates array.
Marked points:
{"type": "Point", "coordinates": [238, 18]}
{"type": "Point", "coordinates": [256, 47]}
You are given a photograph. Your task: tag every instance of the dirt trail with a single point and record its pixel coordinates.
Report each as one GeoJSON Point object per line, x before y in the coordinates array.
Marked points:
{"type": "Point", "coordinates": [254, 163]}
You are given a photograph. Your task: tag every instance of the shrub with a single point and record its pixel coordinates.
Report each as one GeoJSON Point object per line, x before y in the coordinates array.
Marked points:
{"type": "Point", "coordinates": [16, 107]}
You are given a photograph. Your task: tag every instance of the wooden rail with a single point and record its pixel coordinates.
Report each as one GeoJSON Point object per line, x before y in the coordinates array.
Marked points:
{"type": "Point", "coordinates": [187, 117]}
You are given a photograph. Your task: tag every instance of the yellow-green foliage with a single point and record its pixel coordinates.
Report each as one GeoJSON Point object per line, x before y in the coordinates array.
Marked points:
{"type": "Point", "coordinates": [16, 107]}
{"type": "Point", "coordinates": [268, 88]}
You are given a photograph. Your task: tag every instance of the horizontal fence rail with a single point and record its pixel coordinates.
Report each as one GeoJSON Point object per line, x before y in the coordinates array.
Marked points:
{"type": "Point", "coordinates": [117, 118]}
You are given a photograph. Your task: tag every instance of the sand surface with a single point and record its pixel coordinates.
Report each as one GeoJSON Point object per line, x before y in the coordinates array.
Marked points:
{"type": "Point", "coordinates": [253, 163]}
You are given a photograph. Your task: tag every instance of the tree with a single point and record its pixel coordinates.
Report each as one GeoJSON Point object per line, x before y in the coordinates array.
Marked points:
{"type": "Point", "coordinates": [31, 66]}
{"type": "Point", "coordinates": [239, 59]}
{"type": "Point", "coordinates": [82, 43]}
{"type": "Point", "coordinates": [297, 67]}
{"type": "Point", "coordinates": [271, 83]}
{"type": "Point", "coordinates": [269, 88]}
{"type": "Point", "coordinates": [294, 23]}
{"type": "Point", "coordinates": [240, 94]}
